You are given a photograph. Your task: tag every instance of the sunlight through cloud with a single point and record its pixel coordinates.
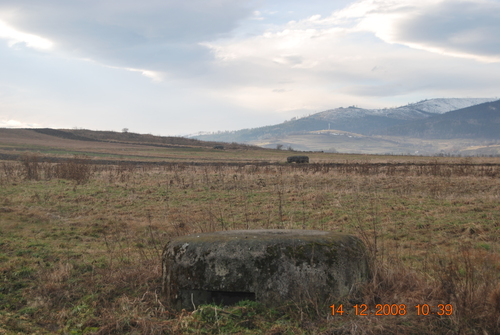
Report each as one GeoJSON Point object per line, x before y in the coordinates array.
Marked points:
{"type": "Point", "coordinates": [154, 75]}
{"type": "Point", "coordinates": [16, 37]}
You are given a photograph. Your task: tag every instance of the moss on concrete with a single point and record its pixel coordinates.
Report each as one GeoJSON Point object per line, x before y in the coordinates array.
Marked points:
{"type": "Point", "coordinates": [275, 265]}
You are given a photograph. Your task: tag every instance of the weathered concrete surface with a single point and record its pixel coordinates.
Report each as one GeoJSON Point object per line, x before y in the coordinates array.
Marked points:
{"type": "Point", "coordinates": [270, 266]}
{"type": "Point", "coordinates": [298, 159]}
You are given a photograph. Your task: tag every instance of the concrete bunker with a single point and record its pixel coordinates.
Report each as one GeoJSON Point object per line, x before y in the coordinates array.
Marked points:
{"type": "Point", "coordinates": [270, 266]}
{"type": "Point", "coordinates": [298, 159]}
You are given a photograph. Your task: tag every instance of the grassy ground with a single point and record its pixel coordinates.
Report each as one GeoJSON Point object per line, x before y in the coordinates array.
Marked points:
{"type": "Point", "coordinates": [80, 244]}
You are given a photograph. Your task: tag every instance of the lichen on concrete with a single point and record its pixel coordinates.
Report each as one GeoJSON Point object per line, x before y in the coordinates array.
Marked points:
{"type": "Point", "coordinates": [275, 265]}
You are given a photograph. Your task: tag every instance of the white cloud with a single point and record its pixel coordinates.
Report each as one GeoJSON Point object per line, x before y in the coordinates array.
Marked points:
{"type": "Point", "coordinates": [257, 16]}
{"type": "Point", "coordinates": [216, 64]}
{"type": "Point", "coordinates": [457, 28]}
{"type": "Point", "coordinates": [152, 35]}
{"type": "Point", "coordinates": [153, 75]}
{"type": "Point", "coordinates": [17, 124]}
{"type": "Point", "coordinates": [16, 37]}
{"type": "Point", "coordinates": [329, 60]}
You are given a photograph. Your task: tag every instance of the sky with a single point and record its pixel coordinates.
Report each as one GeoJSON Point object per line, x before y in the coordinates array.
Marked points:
{"type": "Point", "coordinates": [177, 67]}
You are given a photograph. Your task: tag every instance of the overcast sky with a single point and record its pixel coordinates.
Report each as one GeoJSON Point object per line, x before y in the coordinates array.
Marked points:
{"type": "Point", "coordinates": [175, 67]}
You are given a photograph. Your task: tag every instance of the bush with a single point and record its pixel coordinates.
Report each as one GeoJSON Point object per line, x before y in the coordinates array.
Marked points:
{"type": "Point", "coordinates": [78, 169]}
{"type": "Point", "coordinates": [31, 166]}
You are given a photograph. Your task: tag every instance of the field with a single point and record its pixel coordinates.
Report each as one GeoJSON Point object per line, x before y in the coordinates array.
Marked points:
{"type": "Point", "coordinates": [344, 142]}
{"type": "Point", "coordinates": [80, 242]}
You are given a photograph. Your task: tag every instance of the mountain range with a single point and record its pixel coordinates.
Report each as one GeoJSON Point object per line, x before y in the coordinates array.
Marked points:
{"type": "Point", "coordinates": [475, 122]}
{"type": "Point", "coordinates": [397, 130]}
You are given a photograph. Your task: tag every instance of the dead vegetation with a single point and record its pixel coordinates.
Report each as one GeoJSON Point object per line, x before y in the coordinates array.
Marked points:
{"type": "Point", "coordinates": [80, 243]}
{"type": "Point", "coordinates": [77, 168]}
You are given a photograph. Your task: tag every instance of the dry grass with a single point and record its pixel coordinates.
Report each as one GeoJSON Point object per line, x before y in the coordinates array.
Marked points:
{"type": "Point", "coordinates": [83, 256]}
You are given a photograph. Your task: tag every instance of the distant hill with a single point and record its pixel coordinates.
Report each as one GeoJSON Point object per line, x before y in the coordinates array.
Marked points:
{"type": "Point", "coordinates": [49, 135]}
{"type": "Point", "coordinates": [128, 137]}
{"type": "Point", "coordinates": [351, 119]}
{"type": "Point", "coordinates": [109, 147]}
{"type": "Point", "coordinates": [476, 122]}
{"type": "Point", "coordinates": [141, 139]}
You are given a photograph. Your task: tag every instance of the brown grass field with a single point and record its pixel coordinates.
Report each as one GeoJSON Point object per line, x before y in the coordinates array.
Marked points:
{"type": "Point", "coordinates": [80, 242]}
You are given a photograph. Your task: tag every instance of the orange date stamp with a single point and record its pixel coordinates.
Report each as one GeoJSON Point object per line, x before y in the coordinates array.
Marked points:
{"type": "Point", "coordinates": [393, 309]}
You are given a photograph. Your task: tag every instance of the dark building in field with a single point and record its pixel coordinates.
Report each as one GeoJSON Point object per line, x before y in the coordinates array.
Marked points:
{"type": "Point", "coordinates": [297, 159]}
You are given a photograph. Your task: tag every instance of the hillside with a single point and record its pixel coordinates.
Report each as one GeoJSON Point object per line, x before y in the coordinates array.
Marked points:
{"type": "Point", "coordinates": [351, 119]}
{"type": "Point", "coordinates": [73, 136]}
{"type": "Point", "coordinates": [128, 138]}
{"type": "Point", "coordinates": [111, 147]}
{"type": "Point", "coordinates": [476, 122]}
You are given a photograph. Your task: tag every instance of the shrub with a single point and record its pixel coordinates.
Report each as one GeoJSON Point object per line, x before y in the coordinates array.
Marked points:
{"type": "Point", "coordinates": [31, 166]}
{"type": "Point", "coordinates": [78, 169]}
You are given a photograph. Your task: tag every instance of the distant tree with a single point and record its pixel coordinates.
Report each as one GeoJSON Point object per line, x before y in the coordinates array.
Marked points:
{"type": "Point", "coordinates": [279, 146]}
{"type": "Point", "coordinates": [125, 130]}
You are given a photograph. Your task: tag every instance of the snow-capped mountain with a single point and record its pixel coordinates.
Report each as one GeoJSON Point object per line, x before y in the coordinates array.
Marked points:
{"type": "Point", "coordinates": [475, 122]}
{"type": "Point", "coordinates": [415, 111]}
{"type": "Point", "coordinates": [350, 119]}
